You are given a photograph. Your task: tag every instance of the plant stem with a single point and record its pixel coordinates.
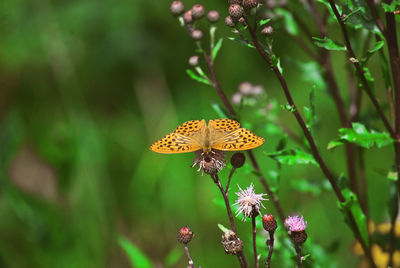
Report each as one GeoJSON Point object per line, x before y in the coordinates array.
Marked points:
{"type": "Point", "coordinates": [253, 225]}
{"type": "Point", "coordinates": [313, 146]}
{"type": "Point", "coordinates": [229, 179]}
{"type": "Point", "coordinates": [298, 253]}
{"type": "Point", "coordinates": [190, 261]}
{"type": "Point", "coordinates": [240, 255]}
{"type": "Point", "coordinates": [270, 244]}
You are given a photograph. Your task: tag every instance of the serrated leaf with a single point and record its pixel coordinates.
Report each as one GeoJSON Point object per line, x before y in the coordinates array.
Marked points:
{"type": "Point", "coordinates": [293, 157]}
{"type": "Point", "coordinates": [352, 206]}
{"type": "Point", "coordinates": [362, 137]}
{"type": "Point", "coordinates": [392, 7]}
{"type": "Point", "coordinates": [197, 77]}
{"type": "Point", "coordinates": [241, 41]}
{"type": "Point", "coordinates": [377, 47]}
{"type": "Point", "coordinates": [328, 44]}
{"type": "Point", "coordinates": [263, 22]}
{"type": "Point", "coordinates": [216, 48]}
{"type": "Point", "coordinates": [136, 256]}
{"type": "Point", "coordinates": [173, 256]}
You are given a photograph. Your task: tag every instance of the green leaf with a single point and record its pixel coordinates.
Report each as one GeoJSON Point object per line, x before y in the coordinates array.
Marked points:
{"type": "Point", "coordinates": [241, 41]}
{"type": "Point", "coordinates": [288, 107]}
{"type": "Point", "coordinates": [173, 256]}
{"type": "Point", "coordinates": [377, 47]}
{"type": "Point", "coordinates": [290, 23]}
{"type": "Point", "coordinates": [352, 205]}
{"type": "Point", "coordinates": [216, 48]}
{"type": "Point", "coordinates": [328, 44]}
{"type": "Point", "coordinates": [263, 22]}
{"type": "Point", "coordinates": [137, 258]}
{"type": "Point", "coordinates": [293, 156]}
{"type": "Point", "coordinates": [362, 137]}
{"type": "Point", "coordinates": [221, 112]}
{"type": "Point", "coordinates": [222, 228]}
{"type": "Point", "coordinates": [392, 175]}
{"type": "Point", "coordinates": [197, 77]}
{"type": "Point", "coordinates": [392, 7]}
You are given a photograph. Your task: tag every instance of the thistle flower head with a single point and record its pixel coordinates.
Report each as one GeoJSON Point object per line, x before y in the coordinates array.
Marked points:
{"type": "Point", "coordinates": [249, 202]}
{"type": "Point", "coordinates": [211, 163]}
{"type": "Point", "coordinates": [295, 223]}
{"type": "Point", "coordinates": [231, 243]}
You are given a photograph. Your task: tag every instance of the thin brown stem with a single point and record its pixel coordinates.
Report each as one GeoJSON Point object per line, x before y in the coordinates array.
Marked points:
{"type": "Point", "coordinates": [270, 244]}
{"type": "Point", "coordinates": [298, 253]}
{"type": "Point", "coordinates": [376, 17]}
{"type": "Point", "coordinates": [190, 261]}
{"type": "Point", "coordinates": [229, 179]}
{"type": "Point", "coordinates": [313, 147]}
{"type": "Point", "coordinates": [253, 225]}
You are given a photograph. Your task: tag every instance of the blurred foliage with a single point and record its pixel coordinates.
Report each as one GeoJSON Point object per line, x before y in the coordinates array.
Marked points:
{"type": "Point", "coordinates": [87, 86]}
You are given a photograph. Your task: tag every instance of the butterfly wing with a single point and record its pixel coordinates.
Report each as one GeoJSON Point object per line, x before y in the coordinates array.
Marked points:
{"type": "Point", "coordinates": [237, 140]}
{"type": "Point", "coordinates": [175, 143]}
{"type": "Point", "coordinates": [224, 125]}
{"type": "Point", "coordinates": [184, 139]}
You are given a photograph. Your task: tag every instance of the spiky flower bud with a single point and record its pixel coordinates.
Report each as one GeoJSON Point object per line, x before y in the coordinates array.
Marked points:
{"type": "Point", "coordinates": [194, 60]}
{"type": "Point", "coordinates": [235, 11]}
{"type": "Point", "coordinates": [197, 34]}
{"type": "Point", "coordinates": [229, 21]}
{"type": "Point", "coordinates": [187, 17]}
{"type": "Point", "coordinates": [185, 235]}
{"type": "Point", "coordinates": [231, 243]}
{"type": "Point", "coordinates": [269, 222]}
{"type": "Point", "coordinates": [239, 2]}
{"type": "Point", "coordinates": [250, 3]}
{"type": "Point", "coordinates": [238, 160]}
{"type": "Point", "coordinates": [177, 8]}
{"type": "Point", "coordinates": [198, 11]}
{"type": "Point", "coordinates": [213, 16]}
{"type": "Point", "coordinates": [267, 30]}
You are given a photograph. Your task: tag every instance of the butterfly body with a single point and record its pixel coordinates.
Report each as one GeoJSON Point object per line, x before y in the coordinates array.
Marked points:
{"type": "Point", "coordinates": [219, 134]}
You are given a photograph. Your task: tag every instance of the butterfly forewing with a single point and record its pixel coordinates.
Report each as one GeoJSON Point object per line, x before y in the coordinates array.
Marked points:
{"type": "Point", "coordinates": [175, 143]}
{"type": "Point", "coordinates": [238, 140]}
{"type": "Point", "coordinates": [190, 128]}
{"type": "Point", "coordinates": [224, 125]}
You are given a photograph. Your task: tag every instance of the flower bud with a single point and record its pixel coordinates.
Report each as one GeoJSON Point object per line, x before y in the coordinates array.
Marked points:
{"type": "Point", "coordinates": [238, 160]}
{"type": "Point", "coordinates": [187, 17]}
{"type": "Point", "coordinates": [269, 222]}
{"type": "Point", "coordinates": [298, 238]}
{"type": "Point", "coordinates": [235, 11]}
{"type": "Point", "coordinates": [185, 235]}
{"type": "Point", "coordinates": [213, 16]}
{"type": "Point", "coordinates": [250, 3]}
{"type": "Point", "coordinates": [231, 243]}
{"type": "Point", "coordinates": [177, 8]}
{"type": "Point", "coordinates": [229, 21]}
{"type": "Point", "coordinates": [198, 11]}
{"type": "Point", "coordinates": [194, 60]}
{"type": "Point", "coordinates": [267, 30]}
{"type": "Point", "coordinates": [197, 34]}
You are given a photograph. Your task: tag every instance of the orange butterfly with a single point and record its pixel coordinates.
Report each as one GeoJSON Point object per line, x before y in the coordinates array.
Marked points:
{"type": "Point", "coordinates": [219, 134]}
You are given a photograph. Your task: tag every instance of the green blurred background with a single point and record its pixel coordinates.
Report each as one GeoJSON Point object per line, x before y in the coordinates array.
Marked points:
{"type": "Point", "coordinates": [86, 87]}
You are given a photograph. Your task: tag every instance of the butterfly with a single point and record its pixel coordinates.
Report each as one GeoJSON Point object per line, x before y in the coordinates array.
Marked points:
{"type": "Point", "coordinates": [219, 134]}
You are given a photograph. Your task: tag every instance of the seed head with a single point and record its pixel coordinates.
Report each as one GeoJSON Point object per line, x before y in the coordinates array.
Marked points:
{"type": "Point", "coordinates": [267, 30]}
{"type": "Point", "coordinates": [185, 235]}
{"type": "Point", "coordinates": [238, 160]}
{"type": "Point", "coordinates": [211, 163]}
{"type": "Point", "coordinates": [249, 202]}
{"type": "Point", "coordinates": [269, 222]}
{"type": "Point", "coordinates": [231, 243]}
{"type": "Point", "coordinates": [239, 2]}
{"type": "Point", "coordinates": [198, 11]}
{"type": "Point", "coordinates": [197, 34]}
{"type": "Point", "coordinates": [187, 17]}
{"type": "Point", "coordinates": [213, 16]}
{"type": "Point", "coordinates": [177, 8]}
{"type": "Point", "coordinates": [229, 21]}
{"type": "Point", "coordinates": [194, 60]}
{"type": "Point", "coordinates": [250, 3]}
{"type": "Point", "coordinates": [235, 11]}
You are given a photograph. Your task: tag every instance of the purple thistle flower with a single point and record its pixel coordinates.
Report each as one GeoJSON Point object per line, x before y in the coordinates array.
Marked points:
{"type": "Point", "coordinates": [295, 223]}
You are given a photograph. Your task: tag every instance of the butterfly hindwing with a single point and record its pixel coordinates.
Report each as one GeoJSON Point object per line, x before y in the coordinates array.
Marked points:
{"type": "Point", "coordinates": [238, 140]}
{"type": "Point", "coordinates": [175, 143]}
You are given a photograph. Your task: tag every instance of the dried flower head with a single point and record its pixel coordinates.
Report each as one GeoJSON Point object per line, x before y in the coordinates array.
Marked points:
{"type": "Point", "coordinates": [250, 3]}
{"type": "Point", "coordinates": [185, 235]}
{"type": "Point", "coordinates": [213, 16]}
{"type": "Point", "coordinates": [295, 223]}
{"type": "Point", "coordinates": [198, 11]}
{"type": "Point", "coordinates": [269, 222]}
{"type": "Point", "coordinates": [235, 11]}
{"type": "Point", "coordinates": [177, 8]}
{"type": "Point", "coordinates": [197, 34]}
{"type": "Point", "coordinates": [187, 17]}
{"type": "Point", "coordinates": [211, 163]}
{"type": "Point", "coordinates": [249, 202]}
{"type": "Point", "coordinates": [194, 60]}
{"type": "Point", "coordinates": [231, 243]}
{"type": "Point", "coordinates": [229, 21]}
